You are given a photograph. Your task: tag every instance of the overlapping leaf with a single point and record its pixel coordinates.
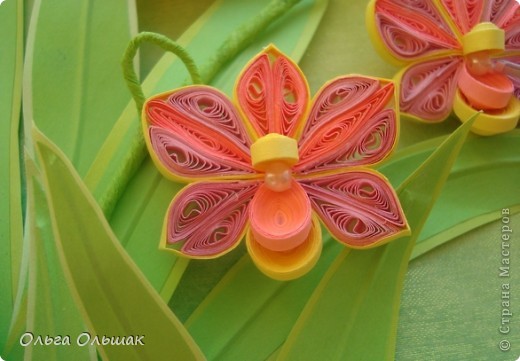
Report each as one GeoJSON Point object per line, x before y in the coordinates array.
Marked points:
{"type": "Point", "coordinates": [488, 169]}
{"type": "Point", "coordinates": [11, 43]}
{"type": "Point", "coordinates": [114, 297]}
{"type": "Point", "coordinates": [51, 310]}
{"type": "Point", "coordinates": [73, 87]}
{"type": "Point", "coordinates": [34, 82]}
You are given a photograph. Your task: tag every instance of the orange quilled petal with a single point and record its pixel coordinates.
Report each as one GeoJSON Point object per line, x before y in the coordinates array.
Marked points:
{"type": "Point", "coordinates": [502, 13]}
{"type": "Point", "coordinates": [413, 29]}
{"type": "Point", "coordinates": [428, 88]}
{"type": "Point", "coordinates": [272, 94]}
{"type": "Point", "coordinates": [351, 123]}
{"type": "Point", "coordinates": [359, 207]}
{"type": "Point", "coordinates": [195, 133]}
{"type": "Point", "coordinates": [207, 219]}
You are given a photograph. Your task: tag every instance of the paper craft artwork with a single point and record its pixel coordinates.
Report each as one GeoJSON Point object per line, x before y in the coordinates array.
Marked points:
{"type": "Point", "coordinates": [271, 164]}
{"type": "Point", "coordinates": [460, 55]}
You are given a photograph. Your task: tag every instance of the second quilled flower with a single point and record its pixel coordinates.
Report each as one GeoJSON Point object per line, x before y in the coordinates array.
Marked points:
{"type": "Point", "coordinates": [461, 56]}
{"type": "Point", "coordinates": [271, 164]}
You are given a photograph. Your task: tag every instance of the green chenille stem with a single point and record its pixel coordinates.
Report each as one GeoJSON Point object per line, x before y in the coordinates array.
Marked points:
{"type": "Point", "coordinates": [167, 44]}
{"type": "Point", "coordinates": [243, 36]}
{"type": "Point", "coordinates": [236, 42]}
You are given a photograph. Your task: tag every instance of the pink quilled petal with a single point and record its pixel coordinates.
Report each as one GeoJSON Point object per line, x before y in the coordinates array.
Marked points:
{"type": "Point", "coordinates": [464, 13]}
{"type": "Point", "coordinates": [413, 29]}
{"type": "Point", "coordinates": [207, 219]}
{"type": "Point", "coordinates": [359, 207]}
{"type": "Point", "coordinates": [513, 36]}
{"type": "Point", "coordinates": [428, 88]}
{"type": "Point", "coordinates": [272, 94]}
{"type": "Point", "coordinates": [500, 12]}
{"type": "Point", "coordinates": [195, 132]}
{"type": "Point", "coordinates": [506, 15]}
{"type": "Point", "coordinates": [350, 124]}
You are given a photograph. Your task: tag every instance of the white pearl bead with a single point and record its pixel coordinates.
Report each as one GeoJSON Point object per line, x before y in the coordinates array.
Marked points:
{"type": "Point", "coordinates": [479, 63]}
{"type": "Point", "coordinates": [278, 177]}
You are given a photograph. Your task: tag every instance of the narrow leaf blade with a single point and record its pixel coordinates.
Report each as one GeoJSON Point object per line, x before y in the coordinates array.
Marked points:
{"type": "Point", "coordinates": [112, 294]}
{"type": "Point", "coordinates": [357, 302]}
{"type": "Point", "coordinates": [74, 88]}
{"type": "Point", "coordinates": [488, 168]}
{"type": "Point", "coordinates": [51, 311]}
{"type": "Point", "coordinates": [11, 43]}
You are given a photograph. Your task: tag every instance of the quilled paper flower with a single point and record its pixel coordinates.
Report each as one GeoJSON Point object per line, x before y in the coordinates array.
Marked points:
{"type": "Point", "coordinates": [460, 55]}
{"type": "Point", "coordinates": [270, 164]}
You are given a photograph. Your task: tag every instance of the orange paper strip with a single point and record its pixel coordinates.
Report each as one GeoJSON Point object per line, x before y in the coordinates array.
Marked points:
{"type": "Point", "coordinates": [280, 221]}
{"type": "Point", "coordinates": [285, 266]}
{"type": "Point", "coordinates": [487, 91]}
{"type": "Point", "coordinates": [358, 129]}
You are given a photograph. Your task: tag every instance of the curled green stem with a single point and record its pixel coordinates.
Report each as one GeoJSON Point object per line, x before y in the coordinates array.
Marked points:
{"type": "Point", "coordinates": [165, 43]}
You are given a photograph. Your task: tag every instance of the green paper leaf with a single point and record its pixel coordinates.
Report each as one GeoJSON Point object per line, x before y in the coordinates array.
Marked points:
{"type": "Point", "coordinates": [258, 312]}
{"type": "Point", "coordinates": [114, 297]}
{"type": "Point", "coordinates": [488, 171]}
{"type": "Point", "coordinates": [51, 311]}
{"type": "Point", "coordinates": [488, 168]}
{"type": "Point", "coordinates": [353, 312]}
{"type": "Point", "coordinates": [74, 91]}
{"type": "Point", "coordinates": [11, 45]}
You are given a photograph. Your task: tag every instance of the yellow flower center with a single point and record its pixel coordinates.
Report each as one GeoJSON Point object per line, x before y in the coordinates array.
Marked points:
{"type": "Point", "coordinates": [275, 154]}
